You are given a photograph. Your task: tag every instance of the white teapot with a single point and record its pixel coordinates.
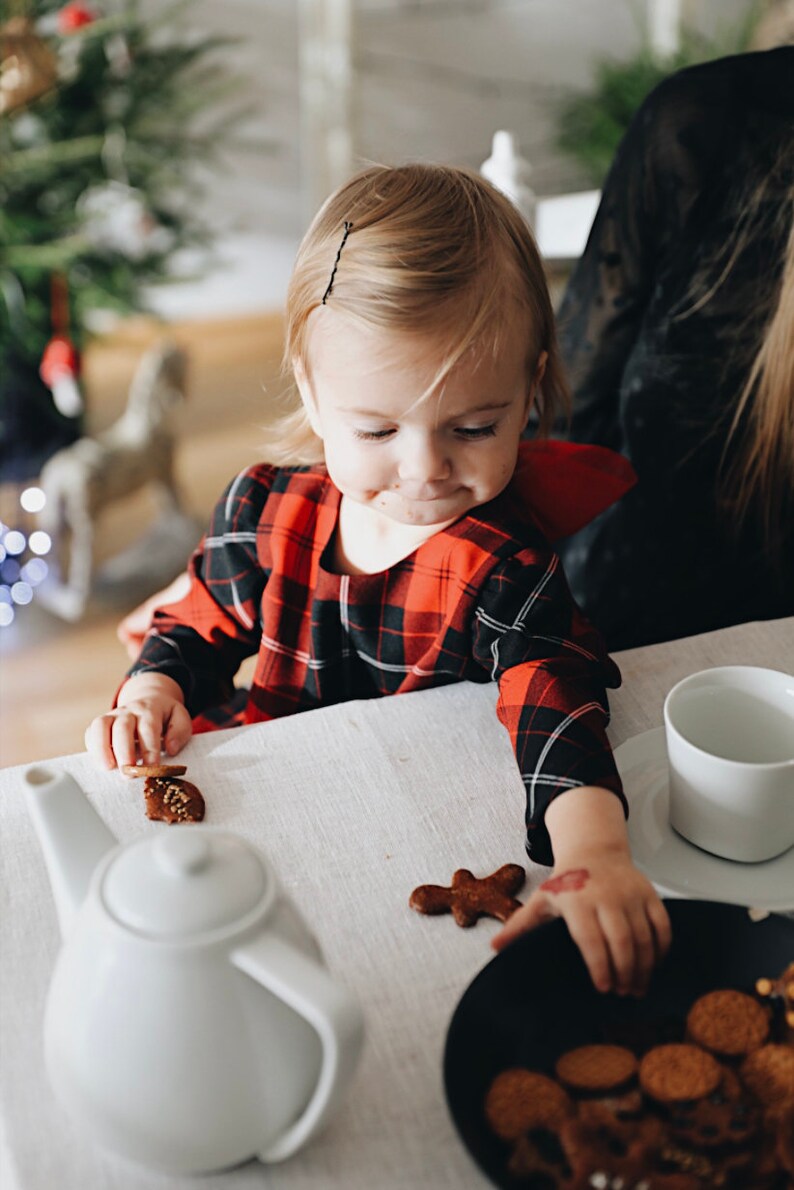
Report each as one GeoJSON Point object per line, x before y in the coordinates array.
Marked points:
{"type": "Point", "coordinates": [190, 1023]}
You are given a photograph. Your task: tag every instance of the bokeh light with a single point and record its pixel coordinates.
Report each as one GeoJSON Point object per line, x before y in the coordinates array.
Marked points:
{"type": "Point", "coordinates": [33, 499]}
{"type": "Point", "coordinates": [15, 541]}
{"type": "Point", "coordinates": [22, 593]}
{"type": "Point", "coordinates": [35, 571]}
{"type": "Point", "coordinates": [40, 542]}
{"type": "Point", "coordinates": [10, 571]}
{"type": "Point", "coordinates": [20, 573]}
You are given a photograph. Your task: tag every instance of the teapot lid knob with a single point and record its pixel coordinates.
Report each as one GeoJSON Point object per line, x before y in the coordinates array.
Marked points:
{"type": "Point", "coordinates": [182, 855]}
{"type": "Point", "coordinates": [187, 881]}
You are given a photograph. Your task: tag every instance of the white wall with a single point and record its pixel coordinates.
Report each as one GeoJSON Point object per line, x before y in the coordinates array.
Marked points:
{"type": "Point", "coordinates": [433, 80]}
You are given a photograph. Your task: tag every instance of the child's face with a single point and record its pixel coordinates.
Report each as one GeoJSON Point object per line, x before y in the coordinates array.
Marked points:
{"type": "Point", "coordinates": [419, 462]}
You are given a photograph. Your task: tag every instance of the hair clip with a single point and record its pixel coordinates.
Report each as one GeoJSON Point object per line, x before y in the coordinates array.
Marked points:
{"type": "Point", "coordinates": [336, 262]}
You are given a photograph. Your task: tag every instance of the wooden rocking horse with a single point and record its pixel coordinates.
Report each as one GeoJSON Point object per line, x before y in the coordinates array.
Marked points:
{"type": "Point", "coordinates": [80, 480]}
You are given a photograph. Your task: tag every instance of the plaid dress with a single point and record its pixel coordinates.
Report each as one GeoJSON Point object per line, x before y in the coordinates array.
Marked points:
{"type": "Point", "coordinates": [484, 600]}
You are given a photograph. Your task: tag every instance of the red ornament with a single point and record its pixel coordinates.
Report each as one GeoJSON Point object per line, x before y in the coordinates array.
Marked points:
{"type": "Point", "coordinates": [60, 357]}
{"type": "Point", "coordinates": [73, 16]}
{"type": "Point", "coordinates": [59, 368]}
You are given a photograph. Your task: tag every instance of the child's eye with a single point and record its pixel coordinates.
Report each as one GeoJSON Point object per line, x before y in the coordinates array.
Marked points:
{"type": "Point", "coordinates": [473, 432]}
{"type": "Point", "coordinates": [372, 435]}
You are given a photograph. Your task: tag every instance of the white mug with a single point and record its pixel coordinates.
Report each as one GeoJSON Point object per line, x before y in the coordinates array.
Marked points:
{"type": "Point", "coordinates": [730, 749]}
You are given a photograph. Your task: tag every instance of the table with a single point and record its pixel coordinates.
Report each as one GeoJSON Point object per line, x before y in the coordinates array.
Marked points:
{"type": "Point", "coordinates": [354, 805]}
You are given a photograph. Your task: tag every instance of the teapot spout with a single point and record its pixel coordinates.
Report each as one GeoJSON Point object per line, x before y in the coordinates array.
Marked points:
{"type": "Point", "coordinates": [73, 837]}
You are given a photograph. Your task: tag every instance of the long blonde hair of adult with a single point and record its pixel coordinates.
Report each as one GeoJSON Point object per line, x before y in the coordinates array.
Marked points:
{"type": "Point", "coordinates": [431, 250]}
{"type": "Point", "coordinates": [761, 475]}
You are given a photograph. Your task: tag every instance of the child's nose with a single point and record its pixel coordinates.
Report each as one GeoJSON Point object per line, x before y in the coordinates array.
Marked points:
{"type": "Point", "coordinates": [424, 460]}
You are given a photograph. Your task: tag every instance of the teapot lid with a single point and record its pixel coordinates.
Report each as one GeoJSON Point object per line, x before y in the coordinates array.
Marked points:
{"type": "Point", "coordinates": [189, 880]}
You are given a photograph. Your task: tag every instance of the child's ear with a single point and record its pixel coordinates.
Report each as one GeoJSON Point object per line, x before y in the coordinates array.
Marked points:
{"type": "Point", "coordinates": [307, 396]}
{"type": "Point", "coordinates": [535, 384]}
{"type": "Point", "coordinates": [540, 371]}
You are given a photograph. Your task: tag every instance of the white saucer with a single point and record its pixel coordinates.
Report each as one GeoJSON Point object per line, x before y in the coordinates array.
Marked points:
{"type": "Point", "coordinates": [676, 866]}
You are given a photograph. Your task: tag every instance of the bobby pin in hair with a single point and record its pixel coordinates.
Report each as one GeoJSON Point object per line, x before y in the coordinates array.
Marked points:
{"type": "Point", "coordinates": [336, 262]}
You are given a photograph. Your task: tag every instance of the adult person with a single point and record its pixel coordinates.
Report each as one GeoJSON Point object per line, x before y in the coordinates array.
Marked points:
{"type": "Point", "coordinates": [677, 328]}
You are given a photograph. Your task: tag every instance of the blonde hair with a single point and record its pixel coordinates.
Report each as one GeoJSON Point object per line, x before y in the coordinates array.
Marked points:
{"type": "Point", "coordinates": [432, 249]}
{"type": "Point", "coordinates": [761, 475]}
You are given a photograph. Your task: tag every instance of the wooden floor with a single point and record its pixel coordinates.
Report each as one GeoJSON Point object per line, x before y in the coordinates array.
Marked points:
{"type": "Point", "coordinates": [55, 676]}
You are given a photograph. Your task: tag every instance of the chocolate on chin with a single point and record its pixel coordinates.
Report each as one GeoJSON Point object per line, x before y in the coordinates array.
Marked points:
{"type": "Point", "coordinates": [171, 799]}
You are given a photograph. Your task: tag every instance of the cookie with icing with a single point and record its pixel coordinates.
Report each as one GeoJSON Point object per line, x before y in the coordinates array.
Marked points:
{"type": "Point", "coordinates": [171, 799]}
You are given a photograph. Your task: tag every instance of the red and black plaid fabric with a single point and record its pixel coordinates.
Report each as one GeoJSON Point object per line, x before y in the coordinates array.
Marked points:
{"type": "Point", "coordinates": [484, 600]}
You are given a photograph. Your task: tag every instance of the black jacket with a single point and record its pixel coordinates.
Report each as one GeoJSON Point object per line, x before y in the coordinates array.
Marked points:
{"type": "Point", "coordinates": [660, 321]}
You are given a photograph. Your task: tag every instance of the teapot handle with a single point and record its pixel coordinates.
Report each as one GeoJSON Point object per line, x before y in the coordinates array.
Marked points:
{"type": "Point", "coordinates": [331, 1010]}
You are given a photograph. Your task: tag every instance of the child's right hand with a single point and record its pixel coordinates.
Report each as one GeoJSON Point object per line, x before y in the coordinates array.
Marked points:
{"type": "Point", "coordinates": [149, 718]}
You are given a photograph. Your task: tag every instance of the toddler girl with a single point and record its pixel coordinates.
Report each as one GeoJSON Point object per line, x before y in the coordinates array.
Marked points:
{"type": "Point", "coordinates": [397, 538]}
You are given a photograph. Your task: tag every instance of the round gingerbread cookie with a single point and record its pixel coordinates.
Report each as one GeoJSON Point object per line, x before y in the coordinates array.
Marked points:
{"type": "Point", "coordinates": [596, 1067]}
{"type": "Point", "coordinates": [520, 1100]}
{"type": "Point", "coordinates": [677, 1072]}
{"type": "Point", "coordinates": [728, 1022]}
{"type": "Point", "coordinates": [154, 770]}
{"type": "Point", "coordinates": [170, 799]}
{"type": "Point", "coordinates": [768, 1073]}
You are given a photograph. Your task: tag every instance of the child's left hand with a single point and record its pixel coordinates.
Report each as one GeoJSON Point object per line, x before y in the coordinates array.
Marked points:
{"type": "Point", "coordinates": [612, 912]}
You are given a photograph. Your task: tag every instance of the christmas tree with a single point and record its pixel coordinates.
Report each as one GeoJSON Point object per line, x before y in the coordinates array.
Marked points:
{"type": "Point", "coordinates": [105, 108]}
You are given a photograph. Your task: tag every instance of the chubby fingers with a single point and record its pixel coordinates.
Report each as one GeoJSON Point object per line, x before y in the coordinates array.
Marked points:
{"type": "Point", "coordinates": [537, 909]}
{"type": "Point", "coordinates": [630, 944]}
{"type": "Point", "coordinates": [120, 736]}
{"type": "Point", "coordinates": [636, 938]}
{"type": "Point", "coordinates": [541, 906]}
{"type": "Point", "coordinates": [585, 930]}
{"type": "Point", "coordinates": [620, 941]}
{"type": "Point", "coordinates": [110, 738]}
{"type": "Point", "coordinates": [178, 729]}
{"type": "Point", "coordinates": [583, 926]}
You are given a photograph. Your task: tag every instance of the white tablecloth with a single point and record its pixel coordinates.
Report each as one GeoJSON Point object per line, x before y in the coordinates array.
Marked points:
{"type": "Point", "coordinates": [354, 805]}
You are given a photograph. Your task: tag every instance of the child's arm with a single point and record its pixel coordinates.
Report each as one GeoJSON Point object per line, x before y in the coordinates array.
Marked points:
{"type": "Point", "coordinates": [552, 669]}
{"type": "Point", "coordinates": [612, 912]}
{"type": "Point", "coordinates": [196, 644]}
{"type": "Point", "coordinates": [150, 715]}
{"type": "Point", "coordinates": [132, 630]}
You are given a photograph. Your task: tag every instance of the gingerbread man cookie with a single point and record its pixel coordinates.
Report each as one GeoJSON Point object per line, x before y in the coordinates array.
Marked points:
{"type": "Point", "coordinates": [469, 898]}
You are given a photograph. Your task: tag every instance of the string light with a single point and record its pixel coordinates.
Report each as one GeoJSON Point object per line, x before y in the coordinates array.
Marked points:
{"type": "Point", "coordinates": [35, 571]}
{"type": "Point", "coordinates": [20, 575]}
{"type": "Point", "coordinates": [33, 499]}
{"type": "Point", "coordinates": [22, 593]}
{"type": "Point", "coordinates": [15, 542]}
{"type": "Point", "coordinates": [40, 542]}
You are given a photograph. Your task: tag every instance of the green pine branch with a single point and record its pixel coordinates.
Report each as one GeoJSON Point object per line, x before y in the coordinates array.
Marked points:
{"type": "Point", "coordinates": [175, 106]}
